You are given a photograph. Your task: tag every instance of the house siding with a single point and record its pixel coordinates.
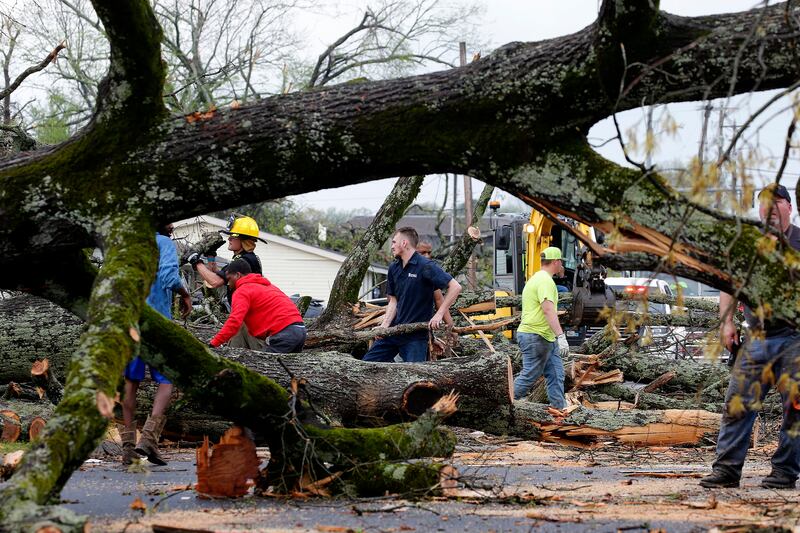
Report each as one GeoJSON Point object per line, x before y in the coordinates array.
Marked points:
{"type": "Point", "coordinates": [293, 270]}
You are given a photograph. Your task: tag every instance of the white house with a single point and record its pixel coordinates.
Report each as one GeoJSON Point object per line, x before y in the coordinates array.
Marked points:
{"type": "Point", "coordinates": [294, 267]}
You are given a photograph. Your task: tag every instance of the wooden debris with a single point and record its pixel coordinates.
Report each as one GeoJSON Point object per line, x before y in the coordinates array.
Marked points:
{"type": "Point", "coordinates": [22, 419]}
{"type": "Point", "coordinates": [664, 475]}
{"type": "Point", "coordinates": [586, 373]}
{"type": "Point", "coordinates": [480, 332]}
{"type": "Point", "coordinates": [43, 377]}
{"type": "Point", "coordinates": [659, 381]}
{"type": "Point", "coordinates": [10, 426]}
{"type": "Point", "coordinates": [589, 428]}
{"type": "Point", "coordinates": [10, 463]}
{"type": "Point", "coordinates": [229, 468]}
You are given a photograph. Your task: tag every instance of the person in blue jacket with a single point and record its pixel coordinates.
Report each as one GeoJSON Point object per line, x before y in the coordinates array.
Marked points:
{"type": "Point", "coordinates": [167, 283]}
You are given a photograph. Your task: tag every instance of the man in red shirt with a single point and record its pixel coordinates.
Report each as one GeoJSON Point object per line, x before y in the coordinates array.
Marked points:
{"type": "Point", "coordinates": [266, 311]}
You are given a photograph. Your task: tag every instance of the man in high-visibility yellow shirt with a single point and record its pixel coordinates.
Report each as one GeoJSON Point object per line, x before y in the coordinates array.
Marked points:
{"type": "Point", "coordinates": [539, 335]}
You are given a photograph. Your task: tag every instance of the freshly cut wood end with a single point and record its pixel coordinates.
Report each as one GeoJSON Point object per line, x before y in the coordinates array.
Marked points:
{"type": "Point", "coordinates": [40, 368]}
{"type": "Point", "coordinates": [474, 232]}
{"type": "Point", "coordinates": [105, 404]}
{"type": "Point", "coordinates": [35, 428]}
{"type": "Point", "coordinates": [446, 405]}
{"type": "Point", "coordinates": [13, 458]}
{"type": "Point", "coordinates": [10, 426]}
{"type": "Point", "coordinates": [448, 481]}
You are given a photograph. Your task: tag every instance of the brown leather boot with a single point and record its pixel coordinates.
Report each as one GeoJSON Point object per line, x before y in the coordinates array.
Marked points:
{"type": "Point", "coordinates": [128, 436]}
{"type": "Point", "coordinates": [148, 441]}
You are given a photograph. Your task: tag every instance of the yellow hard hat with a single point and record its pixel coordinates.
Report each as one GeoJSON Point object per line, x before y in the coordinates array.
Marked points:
{"type": "Point", "coordinates": [242, 227]}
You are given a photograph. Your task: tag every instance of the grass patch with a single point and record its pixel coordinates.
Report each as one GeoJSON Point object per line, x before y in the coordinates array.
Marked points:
{"type": "Point", "coordinates": [8, 447]}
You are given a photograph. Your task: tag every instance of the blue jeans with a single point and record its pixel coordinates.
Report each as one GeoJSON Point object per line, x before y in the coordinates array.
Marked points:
{"type": "Point", "coordinates": [750, 383]}
{"type": "Point", "coordinates": [411, 349]}
{"type": "Point", "coordinates": [540, 356]}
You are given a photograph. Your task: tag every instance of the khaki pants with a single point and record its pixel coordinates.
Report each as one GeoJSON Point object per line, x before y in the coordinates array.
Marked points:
{"type": "Point", "coordinates": [243, 339]}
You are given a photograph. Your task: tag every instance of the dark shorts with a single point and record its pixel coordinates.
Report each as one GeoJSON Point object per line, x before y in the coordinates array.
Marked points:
{"type": "Point", "coordinates": [288, 340]}
{"type": "Point", "coordinates": [411, 348]}
{"type": "Point", "coordinates": [135, 372]}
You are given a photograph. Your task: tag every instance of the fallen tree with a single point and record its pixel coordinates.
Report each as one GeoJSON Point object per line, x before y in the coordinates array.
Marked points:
{"type": "Point", "coordinates": [517, 119]}
{"type": "Point", "coordinates": [584, 427]}
{"type": "Point", "coordinates": [355, 392]}
{"type": "Point", "coordinates": [32, 329]}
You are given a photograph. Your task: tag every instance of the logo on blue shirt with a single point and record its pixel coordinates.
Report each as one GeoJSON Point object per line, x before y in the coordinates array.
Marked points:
{"type": "Point", "coordinates": [410, 275]}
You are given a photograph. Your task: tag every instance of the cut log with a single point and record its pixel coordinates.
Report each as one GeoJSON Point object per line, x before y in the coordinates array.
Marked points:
{"type": "Point", "coordinates": [589, 428]}
{"type": "Point", "coordinates": [23, 391]}
{"type": "Point", "coordinates": [32, 427]}
{"type": "Point", "coordinates": [10, 463]}
{"type": "Point", "coordinates": [334, 336]}
{"type": "Point", "coordinates": [10, 426]}
{"type": "Point", "coordinates": [356, 392]}
{"type": "Point", "coordinates": [24, 418]}
{"type": "Point", "coordinates": [228, 469]}
{"type": "Point", "coordinates": [32, 328]}
{"type": "Point", "coordinates": [42, 376]}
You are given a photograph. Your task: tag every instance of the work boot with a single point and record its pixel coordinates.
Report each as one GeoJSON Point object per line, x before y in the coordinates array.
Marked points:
{"type": "Point", "coordinates": [128, 436]}
{"type": "Point", "coordinates": [719, 480]}
{"type": "Point", "coordinates": [778, 480]}
{"type": "Point", "coordinates": [148, 441]}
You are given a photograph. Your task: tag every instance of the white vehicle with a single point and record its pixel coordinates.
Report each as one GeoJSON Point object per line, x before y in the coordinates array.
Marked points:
{"type": "Point", "coordinates": [666, 340]}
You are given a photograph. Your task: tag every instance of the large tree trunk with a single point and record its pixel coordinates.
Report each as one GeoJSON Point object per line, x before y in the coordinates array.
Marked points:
{"type": "Point", "coordinates": [32, 328]}
{"type": "Point", "coordinates": [355, 392]}
{"type": "Point", "coordinates": [346, 286]}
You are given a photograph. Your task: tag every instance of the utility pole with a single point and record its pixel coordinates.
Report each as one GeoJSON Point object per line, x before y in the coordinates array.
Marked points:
{"type": "Point", "coordinates": [472, 279]}
{"type": "Point", "coordinates": [453, 214]}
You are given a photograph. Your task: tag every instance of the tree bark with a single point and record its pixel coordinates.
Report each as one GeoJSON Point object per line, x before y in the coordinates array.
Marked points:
{"type": "Point", "coordinates": [708, 378]}
{"type": "Point", "coordinates": [590, 427]}
{"type": "Point", "coordinates": [355, 392]}
{"type": "Point", "coordinates": [32, 328]}
{"type": "Point", "coordinates": [346, 286]}
{"type": "Point", "coordinates": [648, 400]}
{"type": "Point", "coordinates": [31, 415]}
{"type": "Point", "coordinates": [459, 255]}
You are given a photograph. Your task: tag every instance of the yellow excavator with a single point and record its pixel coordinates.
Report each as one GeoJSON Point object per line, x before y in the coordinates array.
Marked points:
{"type": "Point", "coordinates": [518, 244]}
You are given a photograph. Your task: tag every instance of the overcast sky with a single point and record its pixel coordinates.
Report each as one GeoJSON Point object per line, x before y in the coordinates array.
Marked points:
{"type": "Point", "coordinates": [530, 20]}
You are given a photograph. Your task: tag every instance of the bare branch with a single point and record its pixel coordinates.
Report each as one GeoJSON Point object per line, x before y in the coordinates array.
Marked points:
{"type": "Point", "coordinates": [31, 70]}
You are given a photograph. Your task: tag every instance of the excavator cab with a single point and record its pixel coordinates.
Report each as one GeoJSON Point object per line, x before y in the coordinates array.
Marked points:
{"type": "Point", "coordinates": [519, 241]}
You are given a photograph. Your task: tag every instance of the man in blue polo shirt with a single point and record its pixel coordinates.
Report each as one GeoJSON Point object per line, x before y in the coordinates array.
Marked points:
{"type": "Point", "coordinates": [411, 283]}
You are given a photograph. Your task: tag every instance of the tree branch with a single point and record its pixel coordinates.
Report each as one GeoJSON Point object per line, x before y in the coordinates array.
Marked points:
{"type": "Point", "coordinates": [31, 70]}
{"type": "Point", "coordinates": [80, 420]}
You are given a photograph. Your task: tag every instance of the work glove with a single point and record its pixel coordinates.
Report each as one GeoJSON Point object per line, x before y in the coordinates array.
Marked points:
{"type": "Point", "coordinates": [563, 345]}
{"type": "Point", "coordinates": [194, 259]}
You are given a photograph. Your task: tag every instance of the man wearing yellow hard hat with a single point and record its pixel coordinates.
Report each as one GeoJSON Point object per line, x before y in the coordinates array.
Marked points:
{"type": "Point", "coordinates": [242, 234]}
